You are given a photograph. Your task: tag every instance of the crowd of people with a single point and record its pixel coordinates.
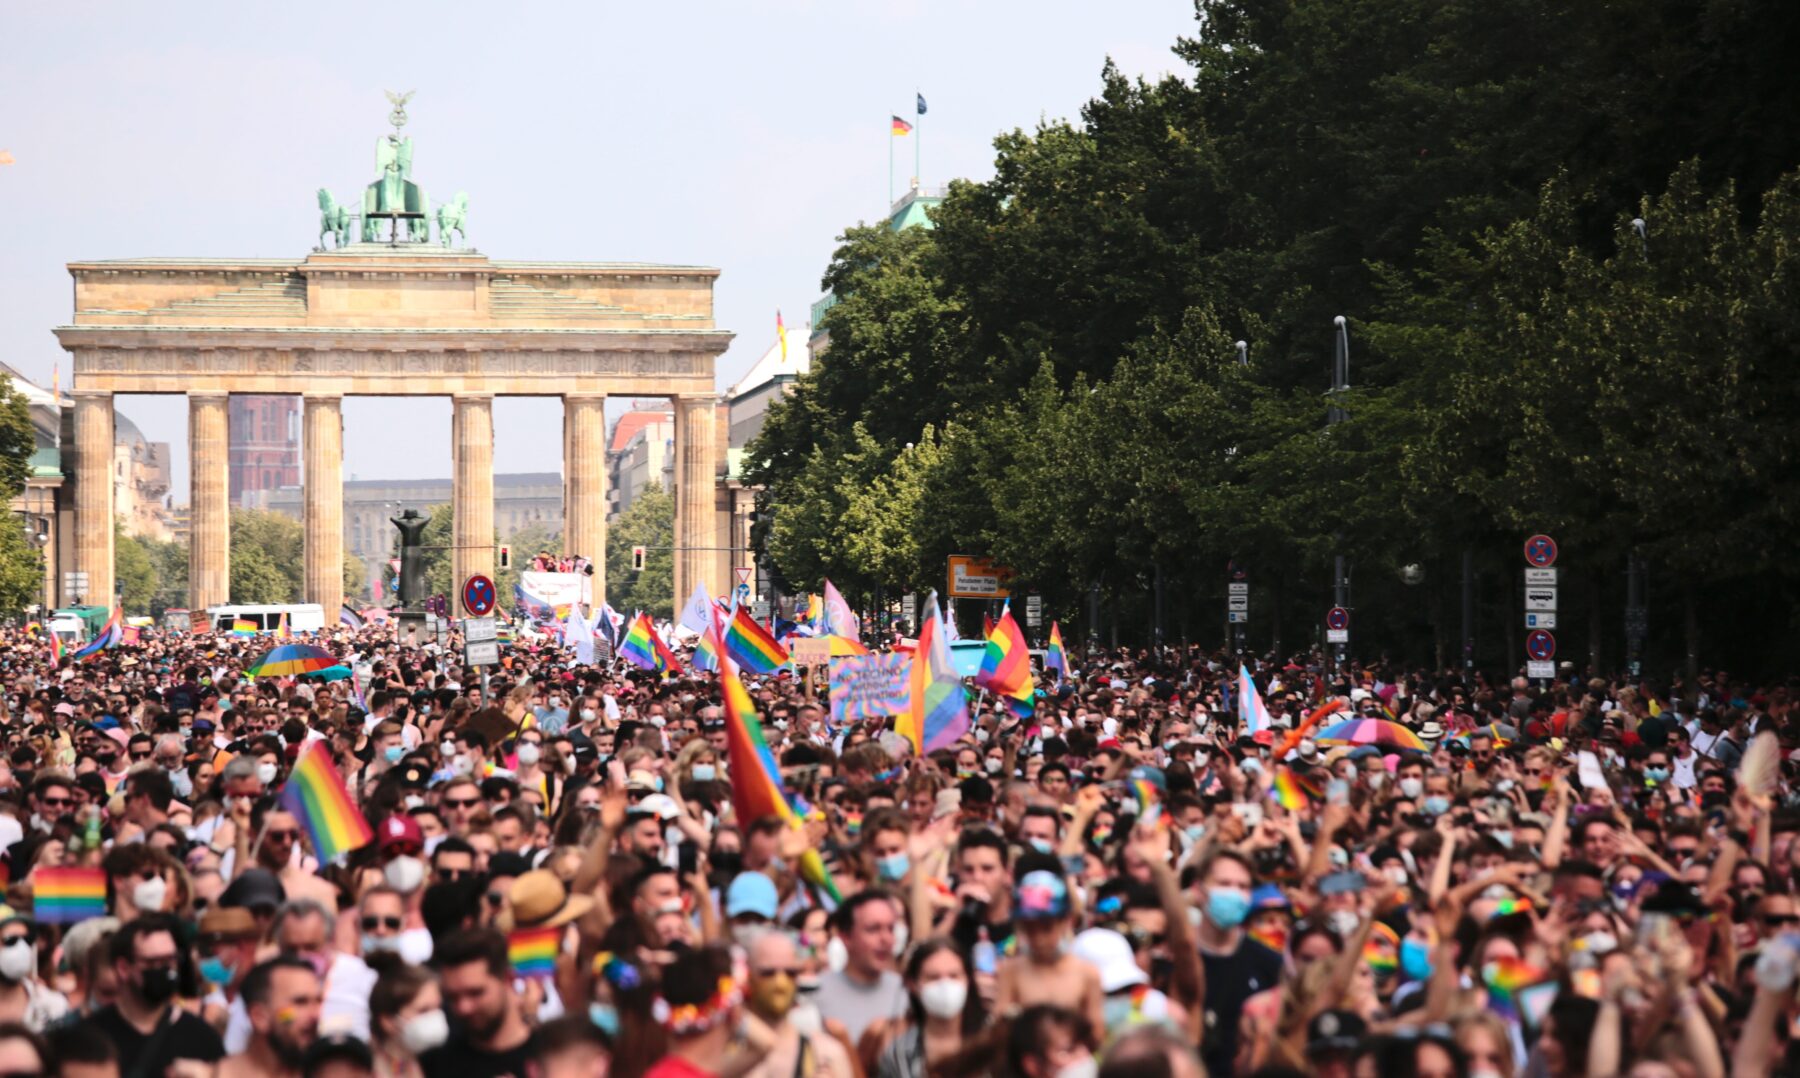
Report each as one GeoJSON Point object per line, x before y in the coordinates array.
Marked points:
{"type": "Point", "coordinates": [1478, 879]}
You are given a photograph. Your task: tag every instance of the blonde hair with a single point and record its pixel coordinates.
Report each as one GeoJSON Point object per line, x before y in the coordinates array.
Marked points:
{"type": "Point", "coordinates": [1495, 1027]}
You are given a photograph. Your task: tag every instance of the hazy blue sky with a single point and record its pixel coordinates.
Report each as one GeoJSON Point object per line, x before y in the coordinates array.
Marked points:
{"type": "Point", "coordinates": [738, 135]}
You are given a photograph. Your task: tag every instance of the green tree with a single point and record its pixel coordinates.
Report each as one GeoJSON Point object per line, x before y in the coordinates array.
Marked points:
{"type": "Point", "coordinates": [170, 560]}
{"type": "Point", "coordinates": [650, 523]}
{"type": "Point", "coordinates": [134, 567]}
{"type": "Point", "coordinates": [267, 557]}
{"type": "Point", "coordinates": [356, 583]}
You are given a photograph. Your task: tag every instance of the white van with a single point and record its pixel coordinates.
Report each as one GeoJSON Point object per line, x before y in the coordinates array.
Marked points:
{"type": "Point", "coordinates": [70, 628]}
{"type": "Point", "coordinates": [301, 617]}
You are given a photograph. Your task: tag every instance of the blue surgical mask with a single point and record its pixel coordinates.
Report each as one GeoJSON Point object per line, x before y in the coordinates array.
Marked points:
{"type": "Point", "coordinates": [393, 753]}
{"type": "Point", "coordinates": [1227, 906]}
{"type": "Point", "coordinates": [705, 773]}
{"type": "Point", "coordinates": [1436, 806]}
{"type": "Point", "coordinates": [1415, 959]}
{"type": "Point", "coordinates": [1657, 775]}
{"type": "Point", "coordinates": [1041, 846]}
{"type": "Point", "coordinates": [215, 971]}
{"type": "Point", "coordinates": [606, 1017]}
{"type": "Point", "coordinates": [892, 869]}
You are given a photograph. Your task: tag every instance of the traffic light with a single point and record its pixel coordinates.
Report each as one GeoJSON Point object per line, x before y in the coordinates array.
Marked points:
{"type": "Point", "coordinates": [505, 556]}
{"type": "Point", "coordinates": [637, 559]}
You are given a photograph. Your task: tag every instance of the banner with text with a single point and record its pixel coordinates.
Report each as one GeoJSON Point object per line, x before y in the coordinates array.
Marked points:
{"type": "Point", "coordinates": [868, 686]}
{"type": "Point", "coordinates": [548, 596]}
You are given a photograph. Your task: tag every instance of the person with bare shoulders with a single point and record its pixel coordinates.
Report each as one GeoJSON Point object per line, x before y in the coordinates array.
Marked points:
{"type": "Point", "coordinates": [283, 997]}
{"type": "Point", "coordinates": [1041, 972]}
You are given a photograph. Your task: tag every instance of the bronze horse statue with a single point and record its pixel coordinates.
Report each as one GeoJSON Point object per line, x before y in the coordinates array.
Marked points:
{"type": "Point", "coordinates": [333, 219]}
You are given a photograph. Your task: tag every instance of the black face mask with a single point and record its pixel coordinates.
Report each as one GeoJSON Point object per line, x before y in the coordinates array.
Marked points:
{"type": "Point", "coordinates": [157, 985]}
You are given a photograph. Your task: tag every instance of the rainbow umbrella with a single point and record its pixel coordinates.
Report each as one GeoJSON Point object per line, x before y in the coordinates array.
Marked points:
{"type": "Point", "coordinates": [292, 660]}
{"type": "Point", "coordinates": [1387, 735]}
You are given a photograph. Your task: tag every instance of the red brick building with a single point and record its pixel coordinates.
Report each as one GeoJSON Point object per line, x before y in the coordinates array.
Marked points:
{"type": "Point", "coordinates": [265, 445]}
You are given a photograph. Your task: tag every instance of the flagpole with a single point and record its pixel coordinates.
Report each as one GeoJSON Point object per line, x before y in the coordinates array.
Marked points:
{"type": "Point", "coordinates": [918, 133]}
{"type": "Point", "coordinates": [890, 200]}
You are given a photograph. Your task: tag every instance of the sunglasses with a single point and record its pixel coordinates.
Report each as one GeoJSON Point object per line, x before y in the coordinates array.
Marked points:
{"type": "Point", "coordinates": [370, 924]}
{"type": "Point", "coordinates": [790, 972]}
{"type": "Point", "coordinates": [461, 802]}
{"type": "Point", "coordinates": [8, 941]}
{"type": "Point", "coordinates": [281, 836]}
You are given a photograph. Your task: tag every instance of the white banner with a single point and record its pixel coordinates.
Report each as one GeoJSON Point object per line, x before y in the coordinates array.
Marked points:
{"type": "Point", "coordinates": [559, 591]}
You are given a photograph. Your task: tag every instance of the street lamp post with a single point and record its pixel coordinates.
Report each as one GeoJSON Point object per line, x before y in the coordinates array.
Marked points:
{"type": "Point", "coordinates": [1340, 383]}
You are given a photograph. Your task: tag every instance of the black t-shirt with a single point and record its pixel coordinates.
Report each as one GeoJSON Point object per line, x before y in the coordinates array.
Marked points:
{"type": "Point", "coordinates": [187, 1038]}
{"type": "Point", "coordinates": [457, 1058]}
{"type": "Point", "coordinates": [1231, 979]}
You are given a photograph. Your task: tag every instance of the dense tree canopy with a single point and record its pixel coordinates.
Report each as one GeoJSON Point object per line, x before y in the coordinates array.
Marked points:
{"type": "Point", "coordinates": [1051, 375]}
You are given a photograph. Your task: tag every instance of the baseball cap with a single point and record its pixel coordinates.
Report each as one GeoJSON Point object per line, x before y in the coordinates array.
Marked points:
{"type": "Point", "coordinates": [1041, 896]}
{"type": "Point", "coordinates": [751, 892]}
{"type": "Point", "coordinates": [1334, 1031]}
{"type": "Point", "coordinates": [400, 829]}
{"type": "Point", "coordinates": [254, 888]}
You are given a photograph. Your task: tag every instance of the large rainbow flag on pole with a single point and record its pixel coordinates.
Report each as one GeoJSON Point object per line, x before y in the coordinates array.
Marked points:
{"type": "Point", "coordinates": [752, 646]}
{"type": "Point", "coordinates": [645, 649]}
{"type": "Point", "coordinates": [316, 796]}
{"type": "Point", "coordinates": [108, 637]}
{"type": "Point", "coordinates": [756, 789]}
{"type": "Point", "coordinates": [1006, 666]}
{"type": "Point", "coordinates": [939, 712]}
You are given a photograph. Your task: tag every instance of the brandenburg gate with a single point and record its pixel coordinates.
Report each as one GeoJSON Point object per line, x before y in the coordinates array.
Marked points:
{"type": "Point", "coordinates": [387, 312]}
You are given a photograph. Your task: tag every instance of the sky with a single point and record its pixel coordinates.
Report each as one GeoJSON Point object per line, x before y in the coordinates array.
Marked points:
{"type": "Point", "coordinates": [742, 135]}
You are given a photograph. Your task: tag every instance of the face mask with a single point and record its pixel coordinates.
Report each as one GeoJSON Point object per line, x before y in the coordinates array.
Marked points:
{"type": "Point", "coordinates": [1227, 907]}
{"type": "Point", "coordinates": [1657, 775]}
{"type": "Point", "coordinates": [1503, 836]}
{"type": "Point", "coordinates": [412, 801]}
{"type": "Point", "coordinates": [148, 895]}
{"type": "Point", "coordinates": [423, 1032]}
{"type": "Point", "coordinates": [186, 732]}
{"type": "Point", "coordinates": [994, 764]}
{"type": "Point", "coordinates": [901, 937]}
{"type": "Point", "coordinates": [705, 772]}
{"type": "Point", "coordinates": [462, 765]}
{"type": "Point", "coordinates": [447, 750]}
{"type": "Point", "coordinates": [214, 970]}
{"type": "Point", "coordinates": [1041, 846]}
{"type": "Point", "coordinates": [1397, 875]}
{"type": "Point", "coordinates": [587, 715]}
{"type": "Point", "coordinates": [981, 735]}
{"type": "Point", "coordinates": [1599, 943]}
{"type": "Point", "coordinates": [265, 773]}
{"type": "Point", "coordinates": [1343, 922]}
{"type": "Point", "coordinates": [157, 986]}
{"type": "Point", "coordinates": [944, 998]}
{"type": "Point", "coordinates": [569, 765]}
{"type": "Point", "coordinates": [377, 944]}
{"type": "Point", "coordinates": [1436, 806]}
{"type": "Point", "coordinates": [17, 961]}
{"type": "Point", "coordinates": [1251, 766]}
{"type": "Point", "coordinates": [1085, 1068]}
{"type": "Point", "coordinates": [605, 1017]}
{"type": "Point", "coordinates": [183, 784]}
{"type": "Point", "coordinates": [658, 721]}
{"type": "Point", "coordinates": [1504, 786]}
{"type": "Point", "coordinates": [1195, 833]}
{"type": "Point", "coordinates": [528, 753]}
{"type": "Point", "coordinates": [393, 753]}
{"type": "Point", "coordinates": [1376, 779]}
{"type": "Point", "coordinates": [837, 956]}
{"type": "Point", "coordinates": [1415, 959]}
{"type": "Point", "coordinates": [1411, 788]}
{"type": "Point", "coordinates": [404, 874]}
{"type": "Point", "coordinates": [892, 869]}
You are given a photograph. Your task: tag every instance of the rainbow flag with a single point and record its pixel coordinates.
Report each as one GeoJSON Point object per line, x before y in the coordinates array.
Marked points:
{"type": "Point", "coordinates": [241, 627]}
{"type": "Point", "coordinates": [316, 796]}
{"type": "Point", "coordinates": [1006, 666]}
{"type": "Point", "coordinates": [1291, 791]}
{"type": "Point", "coordinates": [1381, 951]}
{"type": "Point", "coordinates": [532, 951]}
{"type": "Point", "coordinates": [109, 636]}
{"type": "Point", "coordinates": [282, 632]}
{"type": "Point", "coordinates": [66, 896]}
{"type": "Point", "coordinates": [644, 649]}
{"type": "Point", "coordinates": [1505, 979]}
{"type": "Point", "coordinates": [706, 654]}
{"type": "Point", "coordinates": [756, 789]}
{"type": "Point", "coordinates": [901, 127]}
{"type": "Point", "coordinates": [815, 615]}
{"type": "Point", "coordinates": [751, 646]}
{"type": "Point", "coordinates": [56, 650]}
{"type": "Point", "coordinates": [1055, 658]}
{"type": "Point", "coordinates": [938, 712]}
{"type": "Point", "coordinates": [781, 334]}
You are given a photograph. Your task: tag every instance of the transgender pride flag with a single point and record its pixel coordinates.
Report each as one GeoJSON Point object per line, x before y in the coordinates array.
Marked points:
{"type": "Point", "coordinates": [1252, 712]}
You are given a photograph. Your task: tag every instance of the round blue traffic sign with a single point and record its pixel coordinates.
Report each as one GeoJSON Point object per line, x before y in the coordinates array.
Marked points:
{"type": "Point", "coordinates": [1540, 550]}
{"type": "Point", "coordinates": [1540, 645]}
{"type": "Point", "coordinates": [478, 596]}
{"type": "Point", "coordinates": [1337, 618]}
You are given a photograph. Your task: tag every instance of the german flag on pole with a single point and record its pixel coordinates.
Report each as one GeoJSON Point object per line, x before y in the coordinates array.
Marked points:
{"type": "Point", "coordinates": [901, 127]}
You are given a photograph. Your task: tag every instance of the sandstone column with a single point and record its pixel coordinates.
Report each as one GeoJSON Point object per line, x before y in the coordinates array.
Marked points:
{"type": "Point", "coordinates": [584, 483]}
{"type": "Point", "coordinates": [696, 473]}
{"type": "Point", "coordinates": [472, 492]}
{"type": "Point", "coordinates": [94, 495]}
{"type": "Point", "coordinates": [324, 508]}
{"type": "Point", "coordinates": [209, 502]}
